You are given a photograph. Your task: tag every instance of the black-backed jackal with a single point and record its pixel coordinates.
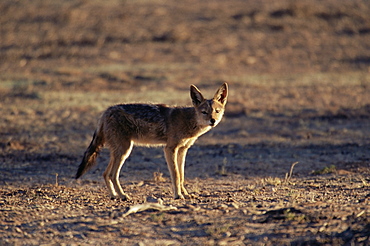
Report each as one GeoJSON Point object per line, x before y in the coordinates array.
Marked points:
{"type": "Point", "coordinates": [177, 128]}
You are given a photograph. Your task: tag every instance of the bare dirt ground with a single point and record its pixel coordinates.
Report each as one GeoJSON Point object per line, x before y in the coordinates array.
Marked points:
{"type": "Point", "coordinates": [299, 82]}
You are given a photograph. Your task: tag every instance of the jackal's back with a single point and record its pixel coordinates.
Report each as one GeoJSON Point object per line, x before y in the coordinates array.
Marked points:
{"type": "Point", "coordinates": [144, 123]}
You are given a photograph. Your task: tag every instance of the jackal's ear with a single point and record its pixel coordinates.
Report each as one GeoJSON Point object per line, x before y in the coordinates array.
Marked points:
{"type": "Point", "coordinates": [196, 96]}
{"type": "Point", "coordinates": [221, 94]}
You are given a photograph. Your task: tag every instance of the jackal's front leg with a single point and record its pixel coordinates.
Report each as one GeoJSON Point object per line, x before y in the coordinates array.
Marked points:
{"type": "Point", "coordinates": [181, 155]}
{"type": "Point", "coordinates": [171, 159]}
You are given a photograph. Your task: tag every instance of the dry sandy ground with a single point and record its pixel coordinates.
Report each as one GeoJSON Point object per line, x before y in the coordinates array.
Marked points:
{"type": "Point", "coordinates": [299, 92]}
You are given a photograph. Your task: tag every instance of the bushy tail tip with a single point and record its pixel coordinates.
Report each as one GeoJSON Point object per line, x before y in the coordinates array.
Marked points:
{"type": "Point", "coordinates": [90, 155]}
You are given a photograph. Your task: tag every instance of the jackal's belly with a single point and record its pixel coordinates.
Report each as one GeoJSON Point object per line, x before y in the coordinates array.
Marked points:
{"type": "Point", "coordinates": [148, 141]}
{"type": "Point", "coordinates": [149, 133]}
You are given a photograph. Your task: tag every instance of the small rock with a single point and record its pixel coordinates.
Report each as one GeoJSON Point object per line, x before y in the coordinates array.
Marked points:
{"type": "Point", "coordinates": [235, 205]}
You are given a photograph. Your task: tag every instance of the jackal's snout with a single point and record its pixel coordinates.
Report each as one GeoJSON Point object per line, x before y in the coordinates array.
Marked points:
{"type": "Point", "coordinates": [212, 122]}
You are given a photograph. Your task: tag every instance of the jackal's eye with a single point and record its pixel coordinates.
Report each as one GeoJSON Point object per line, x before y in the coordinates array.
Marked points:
{"type": "Point", "coordinates": [204, 112]}
{"type": "Point", "coordinates": [217, 111]}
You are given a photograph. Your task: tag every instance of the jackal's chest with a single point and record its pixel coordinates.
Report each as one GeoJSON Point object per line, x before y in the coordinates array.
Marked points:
{"type": "Point", "coordinates": [203, 130]}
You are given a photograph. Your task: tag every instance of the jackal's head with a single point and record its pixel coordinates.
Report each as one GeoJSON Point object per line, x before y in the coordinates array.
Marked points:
{"type": "Point", "coordinates": [209, 112]}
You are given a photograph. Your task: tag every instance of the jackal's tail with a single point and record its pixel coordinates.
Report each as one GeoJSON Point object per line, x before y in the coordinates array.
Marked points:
{"type": "Point", "coordinates": [91, 152]}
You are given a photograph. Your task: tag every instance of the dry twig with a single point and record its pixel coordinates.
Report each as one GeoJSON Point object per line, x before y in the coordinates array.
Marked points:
{"type": "Point", "coordinates": [146, 206]}
{"type": "Point", "coordinates": [289, 176]}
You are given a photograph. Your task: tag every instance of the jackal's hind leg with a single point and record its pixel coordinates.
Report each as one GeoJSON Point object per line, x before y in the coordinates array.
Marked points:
{"type": "Point", "coordinates": [111, 175]}
{"type": "Point", "coordinates": [107, 179]}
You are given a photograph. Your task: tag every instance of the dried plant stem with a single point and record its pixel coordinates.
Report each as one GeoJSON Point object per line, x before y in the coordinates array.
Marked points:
{"type": "Point", "coordinates": [56, 179]}
{"type": "Point", "coordinates": [289, 176]}
{"type": "Point", "coordinates": [147, 206]}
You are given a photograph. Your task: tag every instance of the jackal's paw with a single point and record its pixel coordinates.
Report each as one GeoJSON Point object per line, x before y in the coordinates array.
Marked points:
{"type": "Point", "coordinates": [184, 191]}
{"type": "Point", "coordinates": [186, 196]}
{"type": "Point", "coordinates": [125, 198]}
{"type": "Point", "coordinates": [179, 196]}
{"type": "Point", "coordinates": [192, 196]}
{"type": "Point", "coordinates": [122, 198]}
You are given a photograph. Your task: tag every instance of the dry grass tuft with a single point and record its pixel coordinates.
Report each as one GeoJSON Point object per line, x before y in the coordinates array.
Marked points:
{"type": "Point", "coordinates": [326, 170]}
{"type": "Point", "coordinates": [158, 177]}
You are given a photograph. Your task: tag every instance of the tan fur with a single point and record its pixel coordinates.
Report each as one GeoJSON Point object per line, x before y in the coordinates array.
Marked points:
{"type": "Point", "coordinates": [177, 128]}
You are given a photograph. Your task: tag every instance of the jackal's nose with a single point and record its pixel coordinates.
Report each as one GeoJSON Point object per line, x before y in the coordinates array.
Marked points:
{"type": "Point", "coordinates": [212, 121]}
